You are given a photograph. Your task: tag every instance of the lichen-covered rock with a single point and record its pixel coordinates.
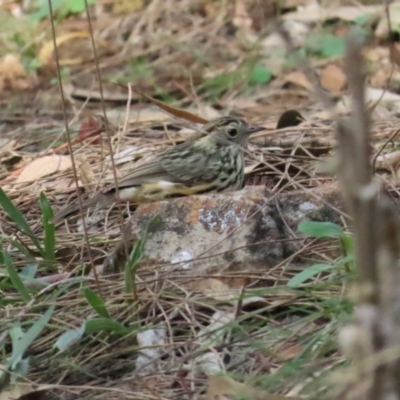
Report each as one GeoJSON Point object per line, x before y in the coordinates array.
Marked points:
{"type": "Point", "coordinates": [249, 229]}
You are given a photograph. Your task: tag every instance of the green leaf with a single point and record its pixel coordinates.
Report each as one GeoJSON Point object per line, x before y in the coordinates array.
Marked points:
{"type": "Point", "coordinates": [77, 6]}
{"type": "Point", "coordinates": [19, 219]}
{"type": "Point", "coordinates": [333, 46]}
{"type": "Point", "coordinates": [320, 229]}
{"type": "Point", "coordinates": [70, 337]}
{"type": "Point", "coordinates": [48, 227]}
{"type": "Point", "coordinates": [348, 244]}
{"type": "Point", "coordinates": [96, 302]}
{"type": "Point", "coordinates": [19, 348]}
{"type": "Point", "coordinates": [29, 271]}
{"type": "Point", "coordinates": [260, 74]}
{"type": "Point", "coordinates": [15, 278]}
{"type": "Point", "coordinates": [105, 324]}
{"type": "Point", "coordinates": [309, 273]}
{"type": "Point", "coordinates": [22, 248]}
{"type": "Point", "coordinates": [135, 257]}
{"type": "Point", "coordinates": [20, 369]}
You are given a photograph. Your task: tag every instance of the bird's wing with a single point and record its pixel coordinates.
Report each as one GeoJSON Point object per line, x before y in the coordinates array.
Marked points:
{"type": "Point", "coordinates": [152, 170]}
{"type": "Point", "coordinates": [190, 168]}
{"type": "Point", "coordinates": [179, 164]}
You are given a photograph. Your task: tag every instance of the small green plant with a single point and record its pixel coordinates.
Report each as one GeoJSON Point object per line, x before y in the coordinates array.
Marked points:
{"type": "Point", "coordinates": [260, 74]}
{"type": "Point", "coordinates": [326, 45]}
{"type": "Point", "coordinates": [136, 256]}
{"type": "Point", "coordinates": [47, 249]}
{"type": "Point", "coordinates": [104, 322]}
{"type": "Point", "coordinates": [61, 8]}
{"type": "Point", "coordinates": [325, 230]}
{"type": "Point", "coordinates": [16, 365]}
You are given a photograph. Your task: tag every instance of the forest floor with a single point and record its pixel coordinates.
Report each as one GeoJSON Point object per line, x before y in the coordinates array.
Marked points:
{"type": "Point", "coordinates": [70, 333]}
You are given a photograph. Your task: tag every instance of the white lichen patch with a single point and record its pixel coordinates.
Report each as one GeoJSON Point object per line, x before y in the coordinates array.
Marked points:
{"type": "Point", "coordinates": [182, 256]}
{"type": "Point", "coordinates": [307, 206]}
{"type": "Point", "coordinates": [216, 220]}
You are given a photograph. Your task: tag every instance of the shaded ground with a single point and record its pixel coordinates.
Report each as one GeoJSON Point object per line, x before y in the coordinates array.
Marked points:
{"type": "Point", "coordinates": [154, 337]}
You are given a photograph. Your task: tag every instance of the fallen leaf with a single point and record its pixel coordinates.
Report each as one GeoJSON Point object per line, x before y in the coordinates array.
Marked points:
{"type": "Point", "coordinates": [89, 127]}
{"type": "Point", "coordinates": [333, 78]}
{"type": "Point", "coordinates": [127, 6]}
{"type": "Point", "coordinates": [388, 161]}
{"type": "Point", "coordinates": [289, 352]}
{"type": "Point", "coordinates": [225, 388]}
{"type": "Point", "coordinates": [298, 78]}
{"type": "Point", "coordinates": [44, 166]}
{"type": "Point", "coordinates": [46, 52]}
{"type": "Point", "coordinates": [175, 111]}
{"type": "Point", "coordinates": [25, 391]}
{"type": "Point", "coordinates": [216, 289]}
{"type": "Point", "coordinates": [12, 73]}
{"type": "Point", "coordinates": [85, 172]}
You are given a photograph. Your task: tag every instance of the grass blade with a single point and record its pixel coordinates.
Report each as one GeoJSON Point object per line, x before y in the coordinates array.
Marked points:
{"type": "Point", "coordinates": [70, 337]}
{"type": "Point", "coordinates": [135, 258]}
{"type": "Point", "coordinates": [308, 273]}
{"type": "Point", "coordinates": [48, 227]}
{"type": "Point", "coordinates": [96, 302]}
{"type": "Point", "coordinates": [15, 214]}
{"type": "Point", "coordinates": [320, 229]}
{"type": "Point", "coordinates": [15, 278]}
{"type": "Point", "coordinates": [19, 349]}
{"type": "Point", "coordinates": [105, 324]}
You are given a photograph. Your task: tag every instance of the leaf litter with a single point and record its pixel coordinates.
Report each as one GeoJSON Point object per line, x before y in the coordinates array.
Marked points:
{"type": "Point", "coordinates": [189, 56]}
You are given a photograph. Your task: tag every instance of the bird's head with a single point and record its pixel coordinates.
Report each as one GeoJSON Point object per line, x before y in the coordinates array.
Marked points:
{"type": "Point", "coordinates": [231, 129]}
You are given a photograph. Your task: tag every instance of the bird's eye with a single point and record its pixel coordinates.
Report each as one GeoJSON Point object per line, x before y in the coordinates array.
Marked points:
{"type": "Point", "coordinates": [232, 132]}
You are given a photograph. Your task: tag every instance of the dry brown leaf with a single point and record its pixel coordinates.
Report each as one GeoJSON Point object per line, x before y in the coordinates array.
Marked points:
{"type": "Point", "coordinates": [46, 52]}
{"type": "Point", "coordinates": [216, 289]}
{"type": "Point", "coordinates": [25, 391]}
{"type": "Point", "coordinates": [299, 79]}
{"type": "Point", "coordinates": [175, 111]}
{"type": "Point", "coordinates": [127, 6]}
{"type": "Point", "coordinates": [44, 166]}
{"type": "Point", "coordinates": [289, 352]}
{"type": "Point", "coordinates": [333, 78]}
{"type": "Point", "coordinates": [225, 388]}
{"type": "Point", "coordinates": [85, 172]}
{"type": "Point", "coordinates": [12, 73]}
{"type": "Point", "coordinates": [388, 161]}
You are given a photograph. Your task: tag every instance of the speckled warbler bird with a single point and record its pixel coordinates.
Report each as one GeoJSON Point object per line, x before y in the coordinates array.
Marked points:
{"type": "Point", "coordinates": [210, 161]}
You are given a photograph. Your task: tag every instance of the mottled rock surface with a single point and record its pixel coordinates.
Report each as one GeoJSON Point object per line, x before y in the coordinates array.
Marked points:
{"type": "Point", "coordinates": [249, 229]}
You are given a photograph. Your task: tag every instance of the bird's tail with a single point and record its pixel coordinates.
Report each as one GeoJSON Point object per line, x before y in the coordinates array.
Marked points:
{"type": "Point", "coordinates": [102, 200]}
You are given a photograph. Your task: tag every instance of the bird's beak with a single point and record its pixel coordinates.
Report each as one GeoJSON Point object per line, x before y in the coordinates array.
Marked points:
{"type": "Point", "coordinates": [254, 129]}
